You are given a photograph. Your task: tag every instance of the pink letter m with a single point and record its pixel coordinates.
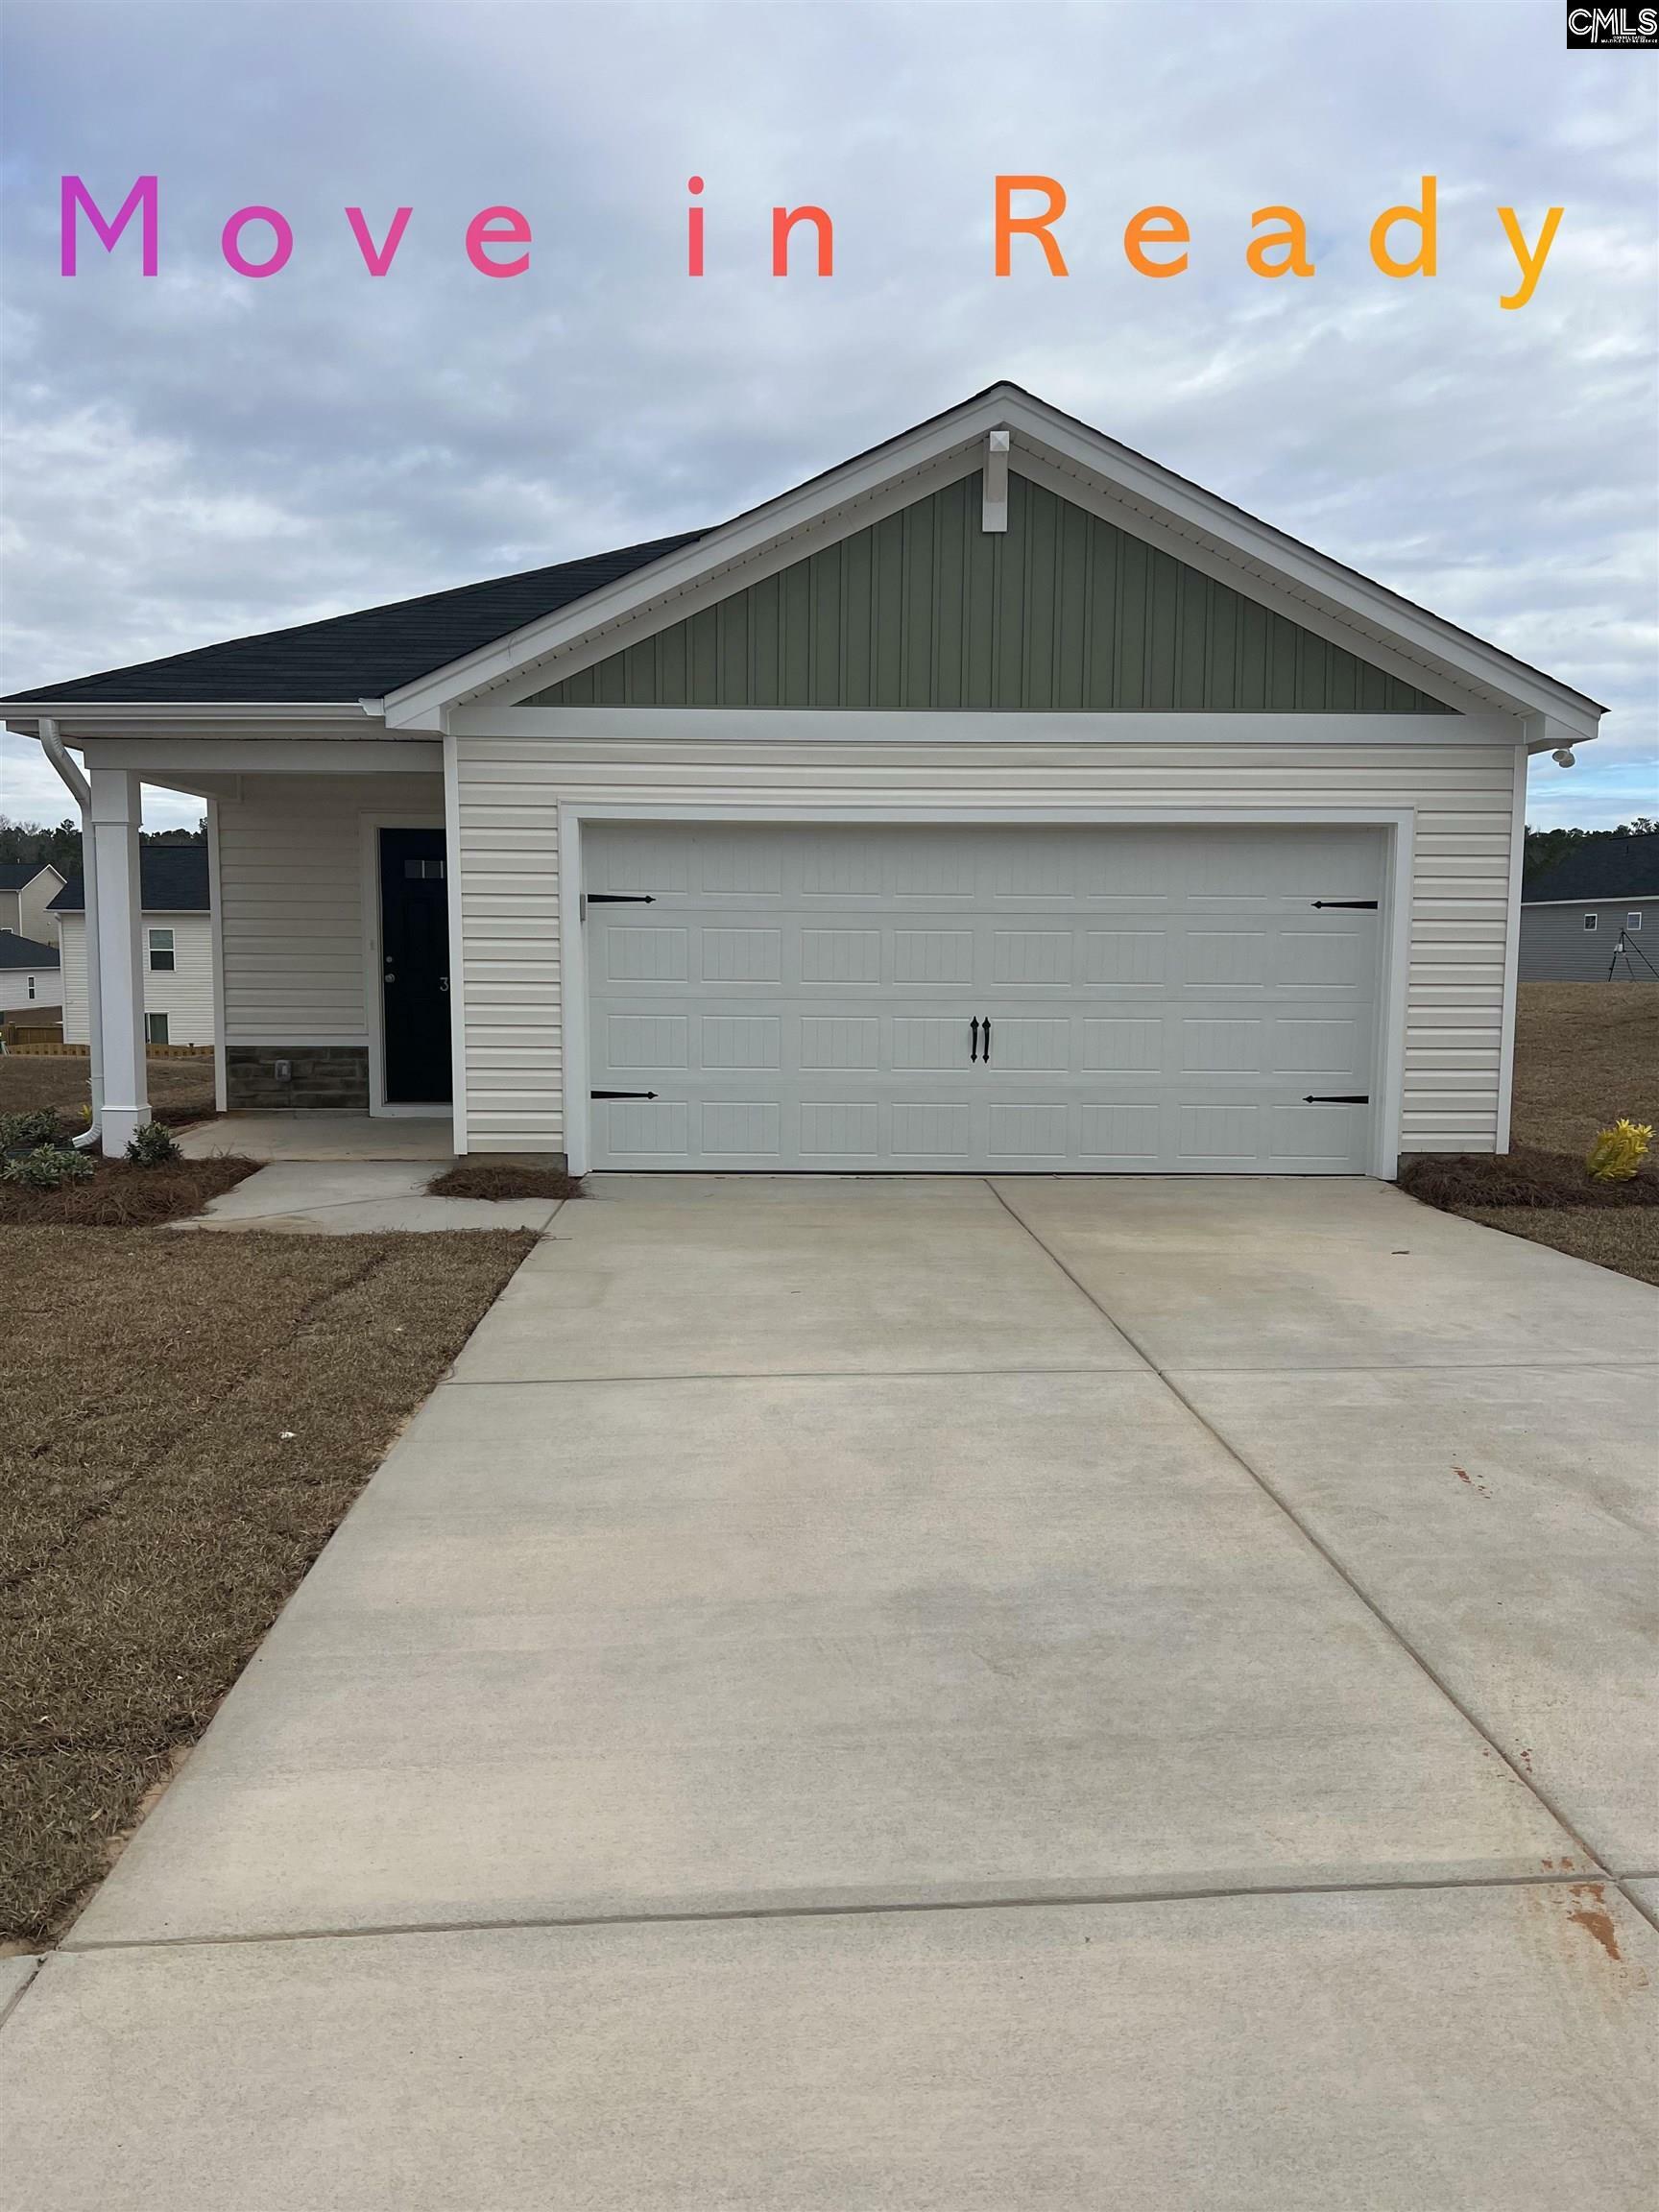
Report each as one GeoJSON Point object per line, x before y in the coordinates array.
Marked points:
{"type": "Point", "coordinates": [74, 196]}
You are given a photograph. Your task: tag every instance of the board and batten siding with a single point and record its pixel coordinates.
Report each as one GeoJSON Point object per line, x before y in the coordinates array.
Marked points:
{"type": "Point", "coordinates": [292, 895]}
{"type": "Point", "coordinates": [1063, 610]}
{"type": "Point", "coordinates": [508, 791]}
{"type": "Point", "coordinates": [186, 995]}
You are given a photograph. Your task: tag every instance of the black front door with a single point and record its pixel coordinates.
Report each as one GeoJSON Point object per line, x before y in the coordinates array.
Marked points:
{"type": "Point", "coordinates": [415, 965]}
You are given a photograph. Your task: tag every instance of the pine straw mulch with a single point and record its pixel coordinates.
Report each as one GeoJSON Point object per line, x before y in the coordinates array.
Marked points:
{"type": "Point", "coordinates": [187, 1418]}
{"type": "Point", "coordinates": [118, 1195]}
{"type": "Point", "coordinates": [1523, 1177]}
{"type": "Point", "coordinates": [503, 1179]}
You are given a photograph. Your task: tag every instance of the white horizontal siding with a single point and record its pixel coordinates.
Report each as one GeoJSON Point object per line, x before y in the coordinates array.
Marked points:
{"type": "Point", "coordinates": [510, 788]}
{"type": "Point", "coordinates": [292, 895]}
{"type": "Point", "coordinates": [185, 994]}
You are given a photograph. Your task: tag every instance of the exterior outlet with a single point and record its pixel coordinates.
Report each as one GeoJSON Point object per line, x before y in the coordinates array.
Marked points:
{"type": "Point", "coordinates": [283, 1071]}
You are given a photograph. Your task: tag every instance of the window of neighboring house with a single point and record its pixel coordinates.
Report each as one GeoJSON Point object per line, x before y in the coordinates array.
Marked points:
{"type": "Point", "coordinates": [1633, 920]}
{"type": "Point", "coordinates": [155, 1029]}
{"type": "Point", "coordinates": [31, 986]}
{"type": "Point", "coordinates": [161, 961]}
{"type": "Point", "coordinates": [1589, 921]}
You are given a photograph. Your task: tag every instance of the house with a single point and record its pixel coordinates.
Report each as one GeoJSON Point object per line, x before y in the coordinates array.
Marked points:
{"type": "Point", "coordinates": [29, 980]}
{"type": "Point", "coordinates": [998, 798]}
{"type": "Point", "coordinates": [175, 948]}
{"type": "Point", "coordinates": [27, 890]}
{"type": "Point", "coordinates": [1582, 919]}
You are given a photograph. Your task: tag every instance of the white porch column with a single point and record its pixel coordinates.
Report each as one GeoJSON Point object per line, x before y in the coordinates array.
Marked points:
{"type": "Point", "coordinates": [113, 911]}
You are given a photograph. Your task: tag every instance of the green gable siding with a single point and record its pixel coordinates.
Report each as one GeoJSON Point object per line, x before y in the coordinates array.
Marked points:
{"type": "Point", "coordinates": [927, 609]}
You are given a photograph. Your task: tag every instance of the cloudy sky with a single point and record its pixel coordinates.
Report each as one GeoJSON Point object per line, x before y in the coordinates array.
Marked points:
{"type": "Point", "coordinates": [197, 456]}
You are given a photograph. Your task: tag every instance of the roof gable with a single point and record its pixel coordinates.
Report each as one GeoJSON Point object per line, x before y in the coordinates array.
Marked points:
{"type": "Point", "coordinates": [926, 609]}
{"type": "Point", "coordinates": [1082, 466]}
{"type": "Point", "coordinates": [18, 874]}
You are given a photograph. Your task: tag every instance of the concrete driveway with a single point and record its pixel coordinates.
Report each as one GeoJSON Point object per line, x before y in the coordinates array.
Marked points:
{"type": "Point", "coordinates": [929, 1693]}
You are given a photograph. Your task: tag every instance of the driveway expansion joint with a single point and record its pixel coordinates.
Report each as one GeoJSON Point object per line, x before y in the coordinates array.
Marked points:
{"type": "Point", "coordinates": [1336, 1566]}
{"type": "Point", "coordinates": [890, 1906]}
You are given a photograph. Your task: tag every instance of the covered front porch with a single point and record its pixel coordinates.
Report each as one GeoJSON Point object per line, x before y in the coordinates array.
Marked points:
{"type": "Point", "coordinates": [335, 1031]}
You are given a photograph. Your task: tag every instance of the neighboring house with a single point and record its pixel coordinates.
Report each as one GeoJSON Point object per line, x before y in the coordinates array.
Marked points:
{"type": "Point", "coordinates": [1575, 914]}
{"type": "Point", "coordinates": [997, 799]}
{"type": "Point", "coordinates": [175, 948]}
{"type": "Point", "coordinates": [29, 978]}
{"type": "Point", "coordinates": [27, 890]}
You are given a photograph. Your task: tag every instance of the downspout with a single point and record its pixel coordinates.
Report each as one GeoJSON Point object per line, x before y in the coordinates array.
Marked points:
{"type": "Point", "coordinates": [80, 791]}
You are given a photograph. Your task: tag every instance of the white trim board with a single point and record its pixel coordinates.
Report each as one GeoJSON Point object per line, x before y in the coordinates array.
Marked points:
{"type": "Point", "coordinates": [916, 726]}
{"type": "Point", "coordinates": [1399, 822]}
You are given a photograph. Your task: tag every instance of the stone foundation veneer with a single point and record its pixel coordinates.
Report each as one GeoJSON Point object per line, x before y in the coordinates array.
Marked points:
{"type": "Point", "coordinates": [326, 1076]}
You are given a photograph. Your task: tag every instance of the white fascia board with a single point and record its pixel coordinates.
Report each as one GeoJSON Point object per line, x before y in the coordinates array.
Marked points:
{"type": "Point", "coordinates": [914, 726]}
{"type": "Point", "coordinates": [165, 755]}
{"type": "Point", "coordinates": [1052, 442]}
{"type": "Point", "coordinates": [78, 719]}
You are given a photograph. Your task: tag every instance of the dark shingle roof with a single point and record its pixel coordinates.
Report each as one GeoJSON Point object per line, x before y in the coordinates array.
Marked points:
{"type": "Point", "coordinates": [1607, 867]}
{"type": "Point", "coordinates": [172, 879]}
{"type": "Point", "coordinates": [363, 656]}
{"type": "Point", "coordinates": [15, 874]}
{"type": "Point", "coordinates": [24, 953]}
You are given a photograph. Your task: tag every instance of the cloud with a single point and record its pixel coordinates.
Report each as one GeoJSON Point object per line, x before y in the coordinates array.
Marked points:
{"type": "Point", "coordinates": [199, 456]}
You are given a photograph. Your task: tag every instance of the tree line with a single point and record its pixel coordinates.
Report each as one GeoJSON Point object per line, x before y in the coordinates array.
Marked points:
{"type": "Point", "coordinates": [59, 846]}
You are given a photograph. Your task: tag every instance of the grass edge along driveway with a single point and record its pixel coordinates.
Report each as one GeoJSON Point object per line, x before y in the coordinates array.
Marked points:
{"type": "Point", "coordinates": [187, 1418]}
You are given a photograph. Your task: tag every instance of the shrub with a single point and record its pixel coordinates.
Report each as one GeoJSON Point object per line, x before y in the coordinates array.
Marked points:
{"type": "Point", "coordinates": [48, 1167]}
{"type": "Point", "coordinates": [152, 1147]}
{"type": "Point", "coordinates": [1618, 1152]}
{"type": "Point", "coordinates": [19, 1132]}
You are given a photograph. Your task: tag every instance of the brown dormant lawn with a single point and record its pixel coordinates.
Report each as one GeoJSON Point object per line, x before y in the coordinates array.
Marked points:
{"type": "Point", "coordinates": [187, 1420]}
{"type": "Point", "coordinates": [180, 1089]}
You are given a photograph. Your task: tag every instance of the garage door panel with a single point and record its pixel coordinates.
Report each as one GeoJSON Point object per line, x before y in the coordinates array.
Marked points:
{"type": "Point", "coordinates": [648, 1041]}
{"type": "Point", "coordinates": [841, 1131]}
{"type": "Point", "coordinates": [740, 1040]}
{"type": "Point", "coordinates": [787, 1015]}
{"type": "Point", "coordinates": [841, 958]}
{"type": "Point", "coordinates": [840, 1041]}
{"type": "Point", "coordinates": [645, 953]}
{"type": "Point", "coordinates": [1123, 1045]}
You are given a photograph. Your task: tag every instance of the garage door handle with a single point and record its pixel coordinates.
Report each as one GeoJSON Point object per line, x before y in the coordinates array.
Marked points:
{"type": "Point", "coordinates": [621, 1094]}
{"type": "Point", "coordinates": [1337, 1099]}
{"type": "Point", "coordinates": [973, 1038]}
{"type": "Point", "coordinates": [1370, 904]}
{"type": "Point", "coordinates": [987, 1040]}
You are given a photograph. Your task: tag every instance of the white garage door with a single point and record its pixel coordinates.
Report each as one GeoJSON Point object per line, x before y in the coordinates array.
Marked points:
{"type": "Point", "coordinates": [842, 997]}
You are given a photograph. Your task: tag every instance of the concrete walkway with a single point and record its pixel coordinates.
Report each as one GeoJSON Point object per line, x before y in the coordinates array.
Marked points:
{"type": "Point", "coordinates": [359, 1197]}
{"type": "Point", "coordinates": [929, 1695]}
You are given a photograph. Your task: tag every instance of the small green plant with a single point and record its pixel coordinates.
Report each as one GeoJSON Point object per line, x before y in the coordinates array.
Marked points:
{"type": "Point", "coordinates": [24, 1131]}
{"type": "Point", "coordinates": [153, 1145]}
{"type": "Point", "coordinates": [48, 1167]}
{"type": "Point", "coordinates": [1618, 1152]}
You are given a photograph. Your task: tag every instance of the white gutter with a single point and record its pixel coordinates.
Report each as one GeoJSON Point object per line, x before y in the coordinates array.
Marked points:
{"type": "Point", "coordinates": [80, 791]}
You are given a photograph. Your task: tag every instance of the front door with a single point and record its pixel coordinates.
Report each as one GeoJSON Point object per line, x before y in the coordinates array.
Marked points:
{"type": "Point", "coordinates": [415, 965]}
